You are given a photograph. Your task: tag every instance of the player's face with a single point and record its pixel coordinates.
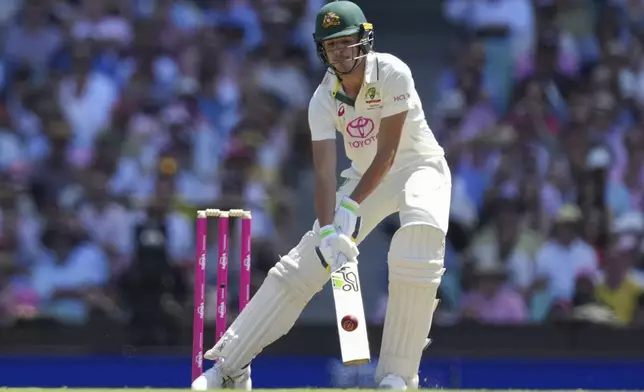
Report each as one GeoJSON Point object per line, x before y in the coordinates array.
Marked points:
{"type": "Point", "coordinates": [341, 52]}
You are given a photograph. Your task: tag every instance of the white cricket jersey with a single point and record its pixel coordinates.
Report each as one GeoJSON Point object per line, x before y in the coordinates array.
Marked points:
{"type": "Point", "coordinates": [388, 89]}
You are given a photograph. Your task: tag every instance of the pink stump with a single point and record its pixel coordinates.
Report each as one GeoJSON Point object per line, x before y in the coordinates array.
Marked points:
{"type": "Point", "coordinates": [222, 275]}
{"type": "Point", "coordinates": [244, 272]}
{"type": "Point", "coordinates": [199, 298]}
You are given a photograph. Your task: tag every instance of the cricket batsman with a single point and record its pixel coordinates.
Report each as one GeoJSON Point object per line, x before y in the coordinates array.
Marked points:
{"type": "Point", "coordinates": [396, 166]}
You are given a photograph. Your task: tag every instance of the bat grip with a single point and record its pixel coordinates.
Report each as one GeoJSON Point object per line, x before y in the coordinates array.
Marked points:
{"type": "Point", "coordinates": [342, 260]}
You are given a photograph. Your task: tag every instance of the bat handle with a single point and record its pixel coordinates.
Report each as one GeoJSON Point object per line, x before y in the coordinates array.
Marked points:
{"type": "Point", "coordinates": [342, 260]}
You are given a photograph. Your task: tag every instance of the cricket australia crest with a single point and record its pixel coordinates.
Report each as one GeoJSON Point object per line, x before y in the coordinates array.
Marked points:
{"type": "Point", "coordinates": [330, 19]}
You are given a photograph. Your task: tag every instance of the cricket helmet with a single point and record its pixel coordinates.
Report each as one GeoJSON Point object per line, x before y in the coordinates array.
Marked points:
{"type": "Point", "coordinates": [342, 18]}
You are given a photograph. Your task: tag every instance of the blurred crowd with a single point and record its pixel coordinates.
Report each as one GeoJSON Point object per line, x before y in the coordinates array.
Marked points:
{"type": "Point", "coordinates": [120, 118]}
{"type": "Point", "coordinates": [541, 112]}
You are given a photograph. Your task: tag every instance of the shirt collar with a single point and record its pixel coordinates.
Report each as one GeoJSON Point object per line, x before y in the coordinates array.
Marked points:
{"type": "Point", "coordinates": [371, 75]}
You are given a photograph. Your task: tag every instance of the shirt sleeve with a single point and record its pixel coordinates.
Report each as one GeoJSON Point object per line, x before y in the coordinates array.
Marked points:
{"type": "Point", "coordinates": [321, 118]}
{"type": "Point", "coordinates": [398, 88]}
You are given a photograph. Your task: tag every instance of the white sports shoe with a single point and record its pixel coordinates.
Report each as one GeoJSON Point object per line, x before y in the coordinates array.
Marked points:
{"type": "Point", "coordinates": [214, 379]}
{"type": "Point", "coordinates": [397, 383]}
{"type": "Point", "coordinates": [392, 381]}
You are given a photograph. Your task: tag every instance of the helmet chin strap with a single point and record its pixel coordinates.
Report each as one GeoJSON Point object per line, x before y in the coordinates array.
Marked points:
{"type": "Point", "coordinates": [356, 61]}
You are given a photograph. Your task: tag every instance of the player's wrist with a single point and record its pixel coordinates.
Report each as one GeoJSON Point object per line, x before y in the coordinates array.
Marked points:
{"type": "Point", "coordinates": [349, 204]}
{"type": "Point", "coordinates": [327, 231]}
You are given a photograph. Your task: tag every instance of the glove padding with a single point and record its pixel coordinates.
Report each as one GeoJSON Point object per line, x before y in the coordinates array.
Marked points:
{"type": "Point", "coordinates": [346, 221]}
{"type": "Point", "coordinates": [335, 248]}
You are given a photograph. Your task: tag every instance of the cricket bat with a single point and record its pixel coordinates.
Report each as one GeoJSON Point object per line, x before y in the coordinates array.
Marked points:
{"type": "Point", "coordinates": [349, 312]}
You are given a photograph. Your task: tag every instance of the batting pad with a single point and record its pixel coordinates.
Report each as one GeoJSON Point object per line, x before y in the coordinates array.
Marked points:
{"type": "Point", "coordinates": [415, 269]}
{"type": "Point", "coordinates": [275, 307]}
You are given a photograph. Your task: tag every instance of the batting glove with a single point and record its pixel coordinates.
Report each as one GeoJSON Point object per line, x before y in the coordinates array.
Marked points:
{"type": "Point", "coordinates": [346, 219]}
{"type": "Point", "coordinates": [335, 249]}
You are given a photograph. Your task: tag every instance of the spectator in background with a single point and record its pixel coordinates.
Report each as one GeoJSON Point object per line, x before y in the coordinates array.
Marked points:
{"type": "Point", "coordinates": [507, 28]}
{"type": "Point", "coordinates": [618, 290]}
{"type": "Point", "coordinates": [86, 99]}
{"type": "Point", "coordinates": [101, 21]}
{"type": "Point", "coordinates": [54, 174]}
{"type": "Point", "coordinates": [69, 269]}
{"type": "Point", "coordinates": [584, 307]}
{"type": "Point", "coordinates": [13, 149]}
{"type": "Point", "coordinates": [491, 300]}
{"type": "Point", "coordinates": [592, 200]}
{"type": "Point", "coordinates": [33, 38]}
{"type": "Point", "coordinates": [626, 184]}
{"type": "Point", "coordinates": [514, 15]}
{"type": "Point", "coordinates": [575, 19]}
{"type": "Point", "coordinates": [553, 61]}
{"type": "Point", "coordinates": [565, 255]}
{"type": "Point", "coordinates": [508, 241]}
{"type": "Point", "coordinates": [558, 188]}
{"type": "Point", "coordinates": [631, 75]}
{"type": "Point", "coordinates": [107, 222]}
{"type": "Point", "coordinates": [631, 225]}
{"type": "Point", "coordinates": [153, 287]}
{"type": "Point", "coordinates": [465, 109]}
{"type": "Point", "coordinates": [277, 66]}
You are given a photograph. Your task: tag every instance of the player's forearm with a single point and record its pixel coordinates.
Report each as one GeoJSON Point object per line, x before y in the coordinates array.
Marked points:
{"type": "Point", "coordinates": [382, 162]}
{"type": "Point", "coordinates": [325, 187]}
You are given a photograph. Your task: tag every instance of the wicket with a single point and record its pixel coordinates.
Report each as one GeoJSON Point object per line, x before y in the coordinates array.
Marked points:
{"type": "Point", "coordinates": [222, 276]}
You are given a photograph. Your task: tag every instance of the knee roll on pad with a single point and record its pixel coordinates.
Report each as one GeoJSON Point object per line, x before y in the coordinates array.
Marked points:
{"type": "Point", "coordinates": [301, 271]}
{"type": "Point", "coordinates": [416, 254]}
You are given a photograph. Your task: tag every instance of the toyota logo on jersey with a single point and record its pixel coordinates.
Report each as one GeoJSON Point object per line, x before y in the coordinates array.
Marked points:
{"type": "Point", "coordinates": [361, 129]}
